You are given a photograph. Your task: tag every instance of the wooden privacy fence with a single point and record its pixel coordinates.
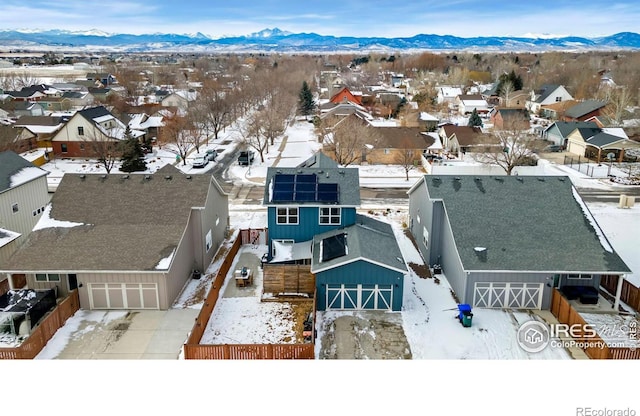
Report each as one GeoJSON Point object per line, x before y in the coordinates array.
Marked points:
{"type": "Point", "coordinates": [629, 295]}
{"type": "Point", "coordinates": [45, 330]}
{"type": "Point", "coordinates": [288, 278]}
{"type": "Point", "coordinates": [212, 297]}
{"type": "Point", "coordinates": [193, 350]}
{"type": "Point", "coordinates": [566, 314]}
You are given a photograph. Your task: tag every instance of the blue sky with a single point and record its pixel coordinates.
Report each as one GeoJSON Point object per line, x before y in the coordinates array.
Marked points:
{"type": "Point", "coordinates": [466, 18]}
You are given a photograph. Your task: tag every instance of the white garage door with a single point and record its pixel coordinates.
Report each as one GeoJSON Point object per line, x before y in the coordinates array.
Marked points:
{"type": "Point", "coordinates": [508, 295]}
{"type": "Point", "coordinates": [357, 296]}
{"type": "Point", "coordinates": [123, 296]}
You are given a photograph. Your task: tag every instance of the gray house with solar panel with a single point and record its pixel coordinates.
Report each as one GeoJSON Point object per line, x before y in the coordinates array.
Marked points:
{"type": "Point", "coordinates": [506, 241]}
{"type": "Point", "coordinates": [312, 221]}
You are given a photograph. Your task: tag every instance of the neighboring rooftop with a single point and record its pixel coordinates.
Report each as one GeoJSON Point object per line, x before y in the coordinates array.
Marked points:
{"type": "Point", "coordinates": [16, 170]}
{"type": "Point", "coordinates": [525, 223]}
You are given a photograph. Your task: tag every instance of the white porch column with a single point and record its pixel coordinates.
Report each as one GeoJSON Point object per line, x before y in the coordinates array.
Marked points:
{"type": "Point", "coordinates": [10, 279]}
{"type": "Point", "coordinates": [618, 292]}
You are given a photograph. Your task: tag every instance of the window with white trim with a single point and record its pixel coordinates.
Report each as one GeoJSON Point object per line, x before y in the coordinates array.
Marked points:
{"type": "Point", "coordinates": [287, 215]}
{"type": "Point", "coordinates": [330, 215]}
{"type": "Point", "coordinates": [425, 237]}
{"type": "Point", "coordinates": [579, 276]}
{"type": "Point", "coordinates": [47, 277]}
{"type": "Point", "coordinates": [273, 246]}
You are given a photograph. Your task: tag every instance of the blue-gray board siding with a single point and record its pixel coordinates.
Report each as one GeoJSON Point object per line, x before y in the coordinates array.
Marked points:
{"type": "Point", "coordinates": [442, 249]}
{"type": "Point", "coordinates": [308, 224]}
{"type": "Point", "coordinates": [501, 277]}
{"type": "Point", "coordinates": [360, 272]}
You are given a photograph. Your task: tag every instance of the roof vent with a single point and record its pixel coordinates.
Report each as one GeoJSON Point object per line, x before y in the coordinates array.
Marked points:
{"type": "Point", "coordinates": [103, 177]}
{"type": "Point", "coordinates": [188, 176]}
{"type": "Point", "coordinates": [299, 170]}
{"type": "Point", "coordinates": [125, 177]}
{"type": "Point", "coordinates": [341, 172]}
{"type": "Point", "coordinates": [168, 177]}
{"type": "Point", "coordinates": [561, 179]}
{"type": "Point", "coordinates": [83, 176]}
{"type": "Point", "coordinates": [147, 177]}
{"type": "Point", "coordinates": [457, 178]}
{"type": "Point", "coordinates": [499, 179]}
{"type": "Point", "coordinates": [478, 179]}
{"type": "Point", "coordinates": [541, 179]}
{"type": "Point", "coordinates": [327, 175]}
{"type": "Point", "coordinates": [519, 179]}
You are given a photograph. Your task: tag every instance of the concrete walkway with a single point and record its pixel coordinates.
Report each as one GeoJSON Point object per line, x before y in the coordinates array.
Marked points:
{"type": "Point", "coordinates": [576, 353]}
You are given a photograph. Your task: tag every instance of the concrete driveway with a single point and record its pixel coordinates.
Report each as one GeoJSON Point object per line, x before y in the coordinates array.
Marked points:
{"type": "Point", "coordinates": [122, 335]}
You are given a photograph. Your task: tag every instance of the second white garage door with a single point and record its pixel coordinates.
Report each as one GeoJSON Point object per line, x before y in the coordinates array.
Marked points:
{"type": "Point", "coordinates": [123, 296]}
{"type": "Point", "coordinates": [508, 295]}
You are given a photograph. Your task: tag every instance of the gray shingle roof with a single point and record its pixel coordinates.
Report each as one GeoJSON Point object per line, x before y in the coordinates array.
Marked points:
{"type": "Point", "coordinates": [130, 224]}
{"type": "Point", "coordinates": [545, 91]}
{"type": "Point", "coordinates": [603, 139]}
{"type": "Point", "coordinates": [10, 164]}
{"type": "Point", "coordinates": [583, 108]}
{"type": "Point", "coordinates": [566, 127]}
{"type": "Point", "coordinates": [525, 223]}
{"type": "Point", "coordinates": [348, 181]}
{"type": "Point", "coordinates": [319, 160]}
{"type": "Point", "coordinates": [368, 239]}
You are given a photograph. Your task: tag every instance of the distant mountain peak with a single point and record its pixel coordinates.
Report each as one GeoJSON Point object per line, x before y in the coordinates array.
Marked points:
{"type": "Point", "coordinates": [268, 33]}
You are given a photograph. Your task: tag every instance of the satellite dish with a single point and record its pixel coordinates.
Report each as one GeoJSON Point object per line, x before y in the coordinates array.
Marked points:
{"type": "Point", "coordinates": [611, 156]}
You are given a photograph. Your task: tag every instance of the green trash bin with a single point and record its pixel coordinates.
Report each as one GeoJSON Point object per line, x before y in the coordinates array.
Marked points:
{"type": "Point", "coordinates": [467, 317]}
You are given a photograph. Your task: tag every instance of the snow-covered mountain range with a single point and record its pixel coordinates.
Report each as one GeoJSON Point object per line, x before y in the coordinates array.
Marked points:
{"type": "Point", "coordinates": [276, 40]}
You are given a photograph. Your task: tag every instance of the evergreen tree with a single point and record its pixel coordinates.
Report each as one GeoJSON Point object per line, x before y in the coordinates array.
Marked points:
{"type": "Point", "coordinates": [511, 77]}
{"type": "Point", "coordinates": [132, 154]}
{"type": "Point", "coordinates": [305, 103]}
{"type": "Point", "coordinates": [474, 120]}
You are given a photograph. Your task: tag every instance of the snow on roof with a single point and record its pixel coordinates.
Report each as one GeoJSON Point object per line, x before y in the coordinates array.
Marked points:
{"type": "Point", "coordinates": [427, 117]}
{"type": "Point", "coordinates": [104, 118]}
{"type": "Point", "coordinates": [164, 263]}
{"type": "Point", "coordinates": [43, 129]}
{"type": "Point", "coordinates": [615, 131]}
{"type": "Point", "coordinates": [47, 222]}
{"type": "Point", "coordinates": [25, 175]}
{"type": "Point", "coordinates": [291, 251]}
{"type": "Point", "coordinates": [7, 236]}
{"type": "Point", "coordinates": [383, 123]}
{"type": "Point", "coordinates": [592, 221]}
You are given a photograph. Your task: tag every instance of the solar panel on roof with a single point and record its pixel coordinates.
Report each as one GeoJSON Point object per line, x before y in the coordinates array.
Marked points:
{"type": "Point", "coordinates": [328, 192]}
{"type": "Point", "coordinates": [284, 178]}
{"type": "Point", "coordinates": [307, 178]}
{"type": "Point", "coordinates": [334, 247]}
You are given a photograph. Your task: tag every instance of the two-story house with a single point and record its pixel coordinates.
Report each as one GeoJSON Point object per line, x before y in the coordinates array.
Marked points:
{"type": "Point", "coordinates": [312, 220]}
{"type": "Point", "coordinates": [23, 197]}
{"type": "Point", "coordinates": [547, 94]}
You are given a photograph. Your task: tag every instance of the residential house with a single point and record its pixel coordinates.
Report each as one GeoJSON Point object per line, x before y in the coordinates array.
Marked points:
{"type": "Point", "coordinates": [556, 111]}
{"type": "Point", "coordinates": [43, 127]}
{"type": "Point", "coordinates": [511, 119]}
{"type": "Point", "coordinates": [600, 144]}
{"type": "Point", "coordinates": [180, 99]}
{"type": "Point", "coordinates": [447, 94]}
{"type": "Point", "coordinates": [399, 146]}
{"type": "Point", "coordinates": [490, 236]}
{"type": "Point", "coordinates": [27, 108]}
{"type": "Point", "coordinates": [100, 94]}
{"type": "Point", "coordinates": [344, 95]}
{"type": "Point", "coordinates": [558, 132]}
{"type": "Point", "coordinates": [16, 138]}
{"type": "Point", "coordinates": [421, 119]}
{"type": "Point", "coordinates": [103, 78]}
{"type": "Point", "coordinates": [584, 110]}
{"type": "Point", "coordinates": [547, 94]}
{"type": "Point", "coordinates": [86, 128]}
{"type": "Point", "coordinates": [517, 99]}
{"type": "Point", "coordinates": [150, 125]}
{"type": "Point", "coordinates": [23, 196]}
{"type": "Point", "coordinates": [125, 241]}
{"type": "Point", "coordinates": [462, 139]}
{"type": "Point", "coordinates": [467, 103]}
{"type": "Point", "coordinates": [312, 220]}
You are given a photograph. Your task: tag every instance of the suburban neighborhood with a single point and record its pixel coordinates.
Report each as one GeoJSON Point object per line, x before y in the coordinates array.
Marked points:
{"type": "Point", "coordinates": [264, 207]}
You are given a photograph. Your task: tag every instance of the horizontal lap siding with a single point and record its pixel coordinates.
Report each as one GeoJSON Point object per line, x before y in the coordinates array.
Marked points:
{"type": "Point", "coordinates": [308, 224]}
{"type": "Point", "coordinates": [360, 272]}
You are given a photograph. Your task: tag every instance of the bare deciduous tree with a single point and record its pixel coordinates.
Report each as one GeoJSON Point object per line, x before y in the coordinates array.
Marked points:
{"type": "Point", "coordinates": [177, 133]}
{"type": "Point", "coordinates": [253, 136]}
{"type": "Point", "coordinates": [347, 138]}
{"type": "Point", "coordinates": [105, 145]}
{"type": "Point", "coordinates": [407, 160]}
{"type": "Point", "coordinates": [618, 100]}
{"type": "Point", "coordinates": [513, 148]}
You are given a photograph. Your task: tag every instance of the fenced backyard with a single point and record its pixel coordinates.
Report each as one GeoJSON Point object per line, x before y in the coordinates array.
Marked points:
{"type": "Point", "coordinates": [566, 314]}
{"type": "Point", "coordinates": [44, 331]}
{"type": "Point", "coordinates": [195, 351]}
